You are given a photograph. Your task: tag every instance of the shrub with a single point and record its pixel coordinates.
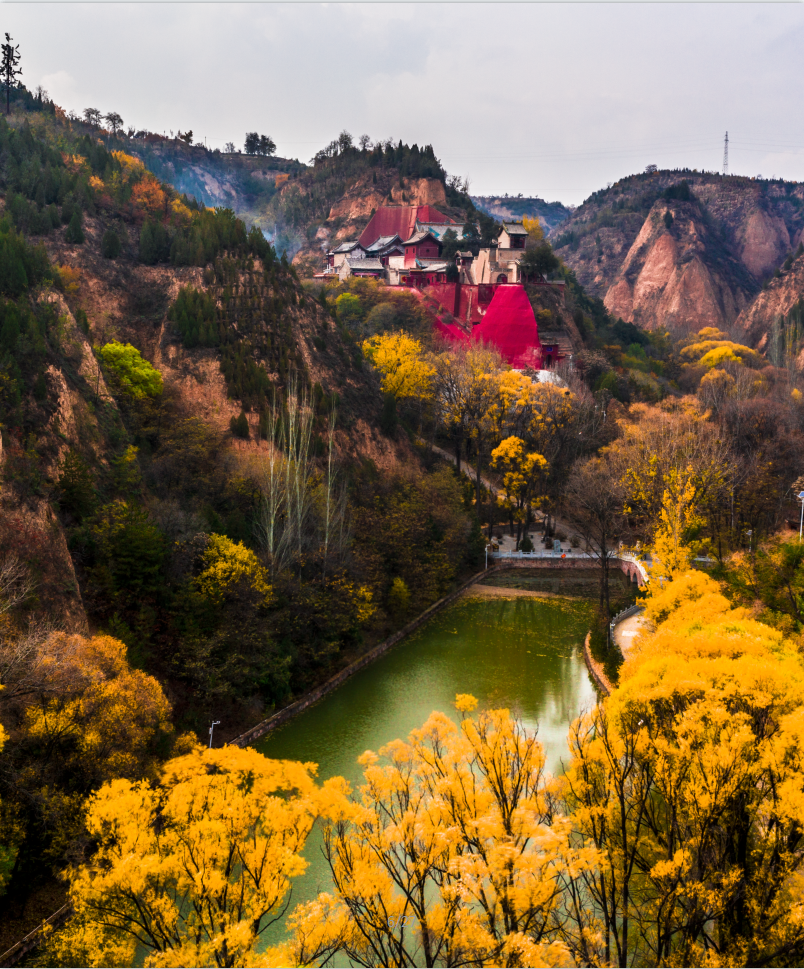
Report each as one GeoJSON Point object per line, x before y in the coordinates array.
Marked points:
{"type": "Point", "coordinates": [132, 373]}
{"type": "Point", "coordinates": [398, 597]}
{"type": "Point", "coordinates": [526, 545]}
{"type": "Point", "coordinates": [82, 321]}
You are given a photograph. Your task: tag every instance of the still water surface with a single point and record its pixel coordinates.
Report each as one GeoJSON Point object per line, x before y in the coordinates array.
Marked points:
{"type": "Point", "coordinates": [523, 653]}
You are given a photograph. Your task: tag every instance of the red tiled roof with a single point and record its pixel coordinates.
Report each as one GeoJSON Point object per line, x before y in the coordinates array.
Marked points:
{"type": "Point", "coordinates": [399, 220]}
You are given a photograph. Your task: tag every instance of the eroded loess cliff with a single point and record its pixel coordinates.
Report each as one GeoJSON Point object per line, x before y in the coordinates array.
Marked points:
{"type": "Point", "coordinates": [772, 308]}
{"type": "Point", "coordinates": [681, 250]}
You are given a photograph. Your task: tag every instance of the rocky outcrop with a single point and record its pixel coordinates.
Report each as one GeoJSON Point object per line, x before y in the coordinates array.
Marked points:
{"type": "Point", "coordinates": [774, 303]}
{"type": "Point", "coordinates": [668, 278]}
{"type": "Point", "coordinates": [361, 200]}
{"type": "Point", "coordinates": [660, 258]}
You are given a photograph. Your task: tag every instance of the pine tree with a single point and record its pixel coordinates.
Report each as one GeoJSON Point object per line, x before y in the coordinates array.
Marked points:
{"type": "Point", "coordinates": [75, 232]}
{"type": "Point", "coordinates": [239, 426]}
{"type": "Point", "coordinates": [110, 246]}
{"type": "Point", "coordinates": [8, 68]}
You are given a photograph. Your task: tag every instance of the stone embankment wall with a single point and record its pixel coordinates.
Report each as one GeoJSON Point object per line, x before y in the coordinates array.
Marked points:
{"type": "Point", "coordinates": [595, 669]}
{"type": "Point", "coordinates": [293, 709]}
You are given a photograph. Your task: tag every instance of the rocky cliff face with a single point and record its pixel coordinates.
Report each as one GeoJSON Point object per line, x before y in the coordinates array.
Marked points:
{"type": "Point", "coordinates": [661, 257]}
{"type": "Point", "coordinates": [774, 304]}
{"type": "Point", "coordinates": [350, 214]}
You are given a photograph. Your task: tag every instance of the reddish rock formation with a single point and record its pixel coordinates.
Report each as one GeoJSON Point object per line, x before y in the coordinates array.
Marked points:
{"type": "Point", "coordinates": [704, 268]}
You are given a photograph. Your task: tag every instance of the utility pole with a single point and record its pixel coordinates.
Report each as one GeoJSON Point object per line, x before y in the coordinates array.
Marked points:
{"type": "Point", "coordinates": [726, 155]}
{"type": "Point", "coordinates": [212, 727]}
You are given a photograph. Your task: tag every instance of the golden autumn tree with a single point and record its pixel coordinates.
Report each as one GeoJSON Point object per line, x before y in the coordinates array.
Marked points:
{"type": "Point", "coordinates": [670, 462]}
{"type": "Point", "coordinates": [522, 471]}
{"type": "Point", "coordinates": [534, 229]}
{"type": "Point", "coordinates": [399, 358]}
{"type": "Point", "coordinates": [448, 855]}
{"type": "Point", "coordinates": [193, 869]}
{"type": "Point", "coordinates": [465, 382]}
{"type": "Point", "coordinates": [225, 565]}
{"type": "Point", "coordinates": [77, 716]}
{"type": "Point", "coordinates": [689, 781]}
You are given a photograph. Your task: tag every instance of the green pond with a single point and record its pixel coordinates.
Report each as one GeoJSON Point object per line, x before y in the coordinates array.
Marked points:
{"type": "Point", "coordinates": [520, 652]}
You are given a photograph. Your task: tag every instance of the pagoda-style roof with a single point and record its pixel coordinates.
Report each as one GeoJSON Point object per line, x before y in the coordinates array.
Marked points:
{"type": "Point", "coordinates": [400, 220]}
{"type": "Point", "coordinates": [421, 236]}
{"type": "Point", "coordinates": [515, 228]}
{"type": "Point", "coordinates": [349, 247]}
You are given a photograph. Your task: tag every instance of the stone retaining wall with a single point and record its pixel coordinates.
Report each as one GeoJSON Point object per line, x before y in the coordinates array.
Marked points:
{"type": "Point", "coordinates": [293, 709]}
{"type": "Point", "coordinates": [32, 940]}
{"type": "Point", "coordinates": [595, 669]}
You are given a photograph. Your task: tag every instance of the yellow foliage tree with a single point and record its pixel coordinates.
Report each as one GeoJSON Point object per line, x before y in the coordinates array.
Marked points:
{"type": "Point", "coordinates": [81, 716]}
{"type": "Point", "coordinates": [670, 462]}
{"type": "Point", "coordinates": [226, 564]}
{"type": "Point", "coordinates": [193, 869]}
{"type": "Point", "coordinates": [450, 855]}
{"type": "Point", "coordinates": [399, 359]}
{"type": "Point", "coordinates": [129, 164]}
{"type": "Point", "coordinates": [522, 471]}
{"type": "Point", "coordinates": [713, 348]}
{"type": "Point", "coordinates": [70, 279]}
{"type": "Point", "coordinates": [689, 783]}
{"type": "Point", "coordinates": [534, 227]}
{"type": "Point", "coordinates": [466, 384]}
{"type": "Point", "coordinates": [672, 549]}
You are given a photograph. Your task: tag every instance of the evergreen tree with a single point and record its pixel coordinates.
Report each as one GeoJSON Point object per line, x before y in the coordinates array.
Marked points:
{"type": "Point", "coordinates": [8, 68]}
{"type": "Point", "coordinates": [239, 426]}
{"type": "Point", "coordinates": [110, 246]}
{"type": "Point", "coordinates": [75, 232]}
{"type": "Point", "coordinates": [154, 243]}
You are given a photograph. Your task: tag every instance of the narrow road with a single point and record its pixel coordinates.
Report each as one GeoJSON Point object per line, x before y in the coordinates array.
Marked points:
{"type": "Point", "coordinates": [627, 631]}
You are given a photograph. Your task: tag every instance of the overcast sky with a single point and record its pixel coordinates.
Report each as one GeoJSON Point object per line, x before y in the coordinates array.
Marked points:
{"type": "Point", "coordinates": [549, 100]}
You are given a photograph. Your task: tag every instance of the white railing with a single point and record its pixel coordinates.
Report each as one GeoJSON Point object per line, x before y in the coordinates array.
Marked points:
{"type": "Point", "coordinates": [630, 557]}
{"type": "Point", "coordinates": [573, 553]}
{"type": "Point", "coordinates": [542, 553]}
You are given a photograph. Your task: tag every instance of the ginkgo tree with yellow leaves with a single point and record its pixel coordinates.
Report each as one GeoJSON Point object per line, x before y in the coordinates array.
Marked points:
{"type": "Point", "coordinates": [398, 357]}
{"type": "Point", "coordinates": [194, 869]}
{"type": "Point", "coordinates": [449, 854]}
{"type": "Point", "coordinates": [522, 470]}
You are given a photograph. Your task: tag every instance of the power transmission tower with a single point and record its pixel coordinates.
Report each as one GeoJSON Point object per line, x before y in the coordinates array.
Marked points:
{"type": "Point", "coordinates": [726, 155]}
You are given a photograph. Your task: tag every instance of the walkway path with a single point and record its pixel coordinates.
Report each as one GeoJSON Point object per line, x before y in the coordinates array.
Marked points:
{"type": "Point", "coordinates": [626, 632]}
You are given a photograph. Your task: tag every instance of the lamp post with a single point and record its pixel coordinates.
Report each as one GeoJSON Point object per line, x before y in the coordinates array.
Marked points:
{"type": "Point", "coordinates": [801, 525]}
{"type": "Point", "coordinates": [212, 727]}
